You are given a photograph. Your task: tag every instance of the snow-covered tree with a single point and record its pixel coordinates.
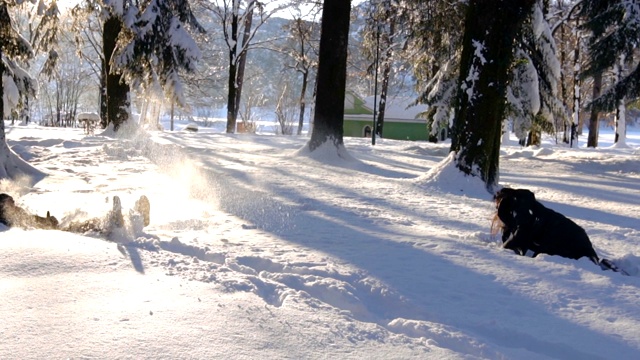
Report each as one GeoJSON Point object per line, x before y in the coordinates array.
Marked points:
{"type": "Point", "coordinates": [434, 45]}
{"type": "Point", "coordinates": [14, 79]}
{"type": "Point", "coordinates": [159, 47]}
{"type": "Point", "coordinates": [143, 42]}
{"type": "Point", "coordinates": [532, 94]}
{"type": "Point", "coordinates": [491, 28]}
{"type": "Point", "coordinates": [118, 17]}
{"type": "Point", "coordinates": [569, 39]}
{"type": "Point", "coordinates": [436, 42]}
{"type": "Point", "coordinates": [615, 30]}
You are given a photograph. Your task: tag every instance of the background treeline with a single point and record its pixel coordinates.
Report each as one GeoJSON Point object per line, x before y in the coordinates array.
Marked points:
{"type": "Point", "coordinates": [415, 47]}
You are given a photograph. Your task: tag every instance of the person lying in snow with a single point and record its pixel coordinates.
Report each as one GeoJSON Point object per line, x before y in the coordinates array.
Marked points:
{"type": "Point", "coordinates": [12, 215]}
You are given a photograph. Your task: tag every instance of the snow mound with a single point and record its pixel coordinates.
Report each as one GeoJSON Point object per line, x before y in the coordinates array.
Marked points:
{"type": "Point", "coordinates": [527, 153]}
{"type": "Point", "coordinates": [327, 153]}
{"type": "Point", "coordinates": [446, 177]}
{"type": "Point", "coordinates": [438, 335]}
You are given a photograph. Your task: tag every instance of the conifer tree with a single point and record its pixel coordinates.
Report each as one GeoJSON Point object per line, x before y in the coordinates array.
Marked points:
{"type": "Point", "coordinates": [484, 71]}
{"type": "Point", "coordinates": [14, 50]}
{"type": "Point", "coordinates": [615, 29]}
{"type": "Point", "coordinates": [160, 46]}
{"type": "Point", "coordinates": [532, 94]}
{"type": "Point", "coordinates": [434, 40]}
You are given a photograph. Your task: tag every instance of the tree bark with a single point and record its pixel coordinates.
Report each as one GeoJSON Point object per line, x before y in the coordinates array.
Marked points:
{"type": "Point", "coordinates": [332, 74]}
{"type": "Point", "coordinates": [592, 140]}
{"type": "Point", "coordinates": [303, 91]}
{"type": "Point", "coordinates": [104, 117]}
{"type": "Point", "coordinates": [232, 111]}
{"type": "Point", "coordinates": [242, 59]}
{"type": "Point", "coordinates": [117, 90]}
{"type": "Point", "coordinates": [620, 117]}
{"type": "Point", "coordinates": [490, 29]}
{"type": "Point", "coordinates": [386, 74]}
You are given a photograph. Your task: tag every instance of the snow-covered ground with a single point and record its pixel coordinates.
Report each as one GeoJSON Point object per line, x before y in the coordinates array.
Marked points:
{"type": "Point", "coordinates": [257, 250]}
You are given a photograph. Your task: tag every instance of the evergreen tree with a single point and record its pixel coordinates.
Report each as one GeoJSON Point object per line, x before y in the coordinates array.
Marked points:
{"type": "Point", "coordinates": [571, 52]}
{"type": "Point", "coordinates": [118, 101]}
{"type": "Point", "coordinates": [491, 27]}
{"type": "Point", "coordinates": [159, 47]}
{"type": "Point", "coordinates": [434, 40]}
{"type": "Point", "coordinates": [332, 75]}
{"type": "Point", "coordinates": [615, 29]}
{"type": "Point", "coordinates": [532, 86]}
{"type": "Point", "coordinates": [15, 49]}
{"type": "Point", "coordinates": [532, 94]}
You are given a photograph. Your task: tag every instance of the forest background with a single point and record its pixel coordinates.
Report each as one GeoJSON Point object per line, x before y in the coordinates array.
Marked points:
{"type": "Point", "coordinates": [491, 75]}
{"type": "Point", "coordinates": [281, 60]}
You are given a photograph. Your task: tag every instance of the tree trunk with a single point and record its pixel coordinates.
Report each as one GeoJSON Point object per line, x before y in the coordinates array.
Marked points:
{"type": "Point", "coordinates": [332, 74]}
{"type": "Point", "coordinates": [621, 109]}
{"type": "Point", "coordinates": [386, 73]}
{"type": "Point", "coordinates": [26, 109]}
{"type": "Point", "coordinates": [5, 152]}
{"type": "Point", "coordinates": [232, 111]}
{"type": "Point", "coordinates": [620, 123]}
{"type": "Point", "coordinates": [576, 129]}
{"type": "Point", "coordinates": [490, 29]}
{"type": "Point", "coordinates": [1, 99]}
{"type": "Point", "coordinates": [172, 103]}
{"type": "Point", "coordinates": [305, 79]}
{"type": "Point", "coordinates": [117, 90]}
{"type": "Point", "coordinates": [104, 120]}
{"type": "Point", "coordinates": [592, 140]}
{"type": "Point", "coordinates": [242, 59]}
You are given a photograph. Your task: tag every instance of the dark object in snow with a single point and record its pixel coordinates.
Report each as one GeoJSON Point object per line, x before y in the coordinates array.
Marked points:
{"type": "Point", "coordinates": [191, 127]}
{"type": "Point", "coordinates": [12, 215]}
{"type": "Point", "coordinates": [144, 208]}
{"type": "Point", "coordinates": [529, 226]}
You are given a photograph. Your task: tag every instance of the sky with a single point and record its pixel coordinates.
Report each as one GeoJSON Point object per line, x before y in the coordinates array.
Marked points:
{"type": "Point", "coordinates": [259, 249]}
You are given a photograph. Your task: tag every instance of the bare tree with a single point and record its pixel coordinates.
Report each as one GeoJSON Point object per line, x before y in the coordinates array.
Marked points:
{"type": "Point", "coordinates": [87, 29]}
{"type": "Point", "coordinates": [284, 113]}
{"type": "Point", "coordinates": [302, 52]}
{"type": "Point", "coordinates": [381, 39]}
{"type": "Point", "coordinates": [236, 21]}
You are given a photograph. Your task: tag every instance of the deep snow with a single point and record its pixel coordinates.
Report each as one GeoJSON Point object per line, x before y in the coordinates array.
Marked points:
{"type": "Point", "coordinates": [257, 249]}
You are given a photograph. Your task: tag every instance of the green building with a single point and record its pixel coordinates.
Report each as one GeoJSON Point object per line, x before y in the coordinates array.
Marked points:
{"type": "Point", "coordinates": [401, 121]}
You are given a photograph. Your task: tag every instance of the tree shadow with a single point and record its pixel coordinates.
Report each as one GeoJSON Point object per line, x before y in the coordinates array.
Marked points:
{"type": "Point", "coordinates": [131, 251]}
{"type": "Point", "coordinates": [437, 287]}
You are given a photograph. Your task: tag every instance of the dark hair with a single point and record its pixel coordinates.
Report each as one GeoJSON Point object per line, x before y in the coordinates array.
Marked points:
{"type": "Point", "coordinates": [4, 197]}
